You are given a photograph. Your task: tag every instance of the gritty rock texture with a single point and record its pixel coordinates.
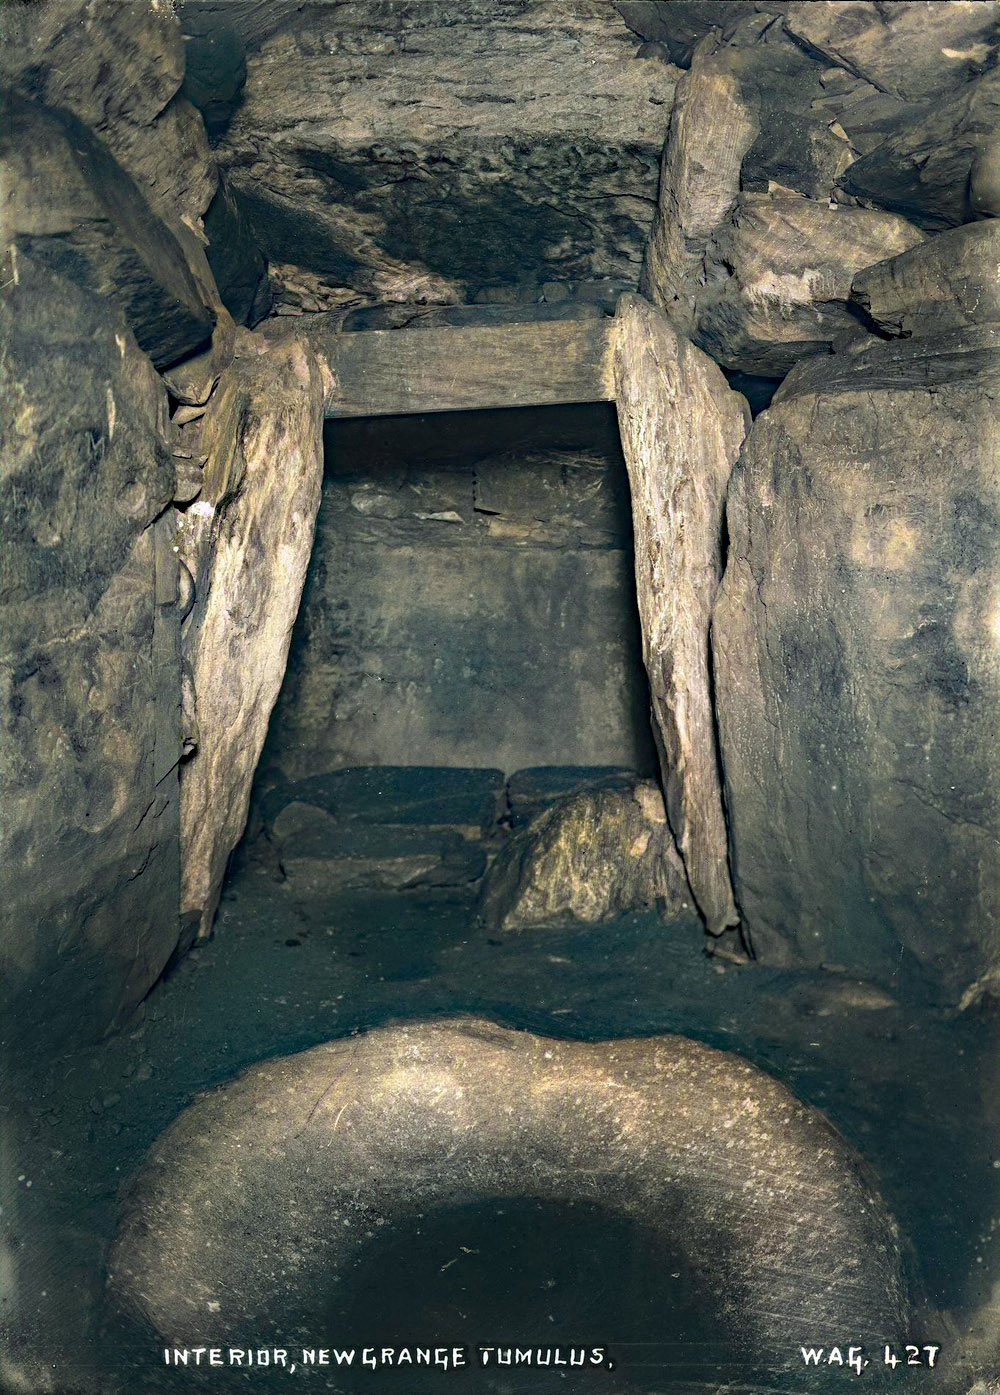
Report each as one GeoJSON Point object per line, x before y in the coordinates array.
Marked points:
{"type": "Point", "coordinates": [109, 65]}
{"type": "Point", "coordinates": [857, 666]}
{"type": "Point", "coordinates": [118, 69]}
{"type": "Point", "coordinates": [591, 856]}
{"type": "Point", "coordinates": [682, 428]}
{"type": "Point", "coordinates": [924, 170]}
{"type": "Point", "coordinates": [679, 25]}
{"type": "Point", "coordinates": [712, 126]}
{"type": "Point", "coordinates": [90, 737]}
{"type": "Point", "coordinates": [319, 854]}
{"type": "Point", "coordinates": [315, 1153]}
{"type": "Point", "coordinates": [778, 278]}
{"type": "Point", "coordinates": [948, 283]}
{"type": "Point", "coordinates": [237, 263]}
{"type": "Point", "coordinates": [424, 152]}
{"type": "Point", "coordinates": [68, 204]}
{"type": "Point", "coordinates": [246, 542]}
{"type": "Point", "coordinates": [911, 49]}
{"type": "Point", "coordinates": [753, 127]}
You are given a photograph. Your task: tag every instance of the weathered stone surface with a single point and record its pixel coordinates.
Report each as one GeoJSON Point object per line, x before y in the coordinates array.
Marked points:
{"type": "Point", "coordinates": [778, 278]}
{"type": "Point", "coordinates": [857, 666]}
{"type": "Point", "coordinates": [592, 855]}
{"type": "Point", "coordinates": [237, 263]}
{"type": "Point", "coordinates": [170, 159]}
{"type": "Point", "coordinates": [461, 316]}
{"type": "Point", "coordinates": [530, 792]}
{"type": "Point", "coordinates": [801, 144]}
{"type": "Point", "coordinates": [90, 732]}
{"type": "Point", "coordinates": [468, 605]}
{"type": "Point", "coordinates": [424, 152]}
{"type": "Point", "coordinates": [746, 117]}
{"type": "Point", "coordinates": [215, 66]}
{"type": "Point", "coordinates": [765, 1206]}
{"type": "Point", "coordinates": [117, 68]}
{"type": "Point", "coordinates": [679, 25]}
{"type": "Point", "coordinates": [401, 794]}
{"type": "Point", "coordinates": [246, 542]}
{"type": "Point", "coordinates": [948, 283]}
{"type": "Point", "coordinates": [911, 49]}
{"type": "Point", "coordinates": [108, 64]}
{"type": "Point", "coordinates": [924, 170]}
{"type": "Point", "coordinates": [681, 427]}
{"type": "Point", "coordinates": [322, 854]}
{"type": "Point", "coordinates": [712, 126]}
{"type": "Point", "coordinates": [193, 380]}
{"type": "Point", "coordinates": [69, 205]}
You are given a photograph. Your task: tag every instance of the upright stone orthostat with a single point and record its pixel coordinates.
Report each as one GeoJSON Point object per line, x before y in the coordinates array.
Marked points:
{"type": "Point", "coordinates": [247, 543]}
{"type": "Point", "coordinates": [681, 427]}
{"type": "Point", "coordinates": [858, 661]}
{"type": "Point", "coordinates": [90, 723]}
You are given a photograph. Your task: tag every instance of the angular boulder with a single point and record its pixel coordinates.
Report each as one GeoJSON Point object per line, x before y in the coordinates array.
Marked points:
{"type": "Point", "coordinates": [749, 116]}
{"type": "Point", "coordinates": [912, 49]}
{"type": "Point", "coordinates": [590, 856]}
{"type": "Point", "coordinates": [246, 542]}
{"type": "Point", "coordinates": [712, 126]}
{"type": "Point", "coordinates": [118, 69]}
{"type": "Point", "coordinates": [71, 207]}
{"type": "Point", "coordinates": [778, 278]}
{"type": "Point", "coordinates": [949, 282]}
{"type": "Point", "coordinates": [925, 169]}
{"type": "Point", "coordinates": [857, 663]}
{"type": "Point", "coordinates": [89, 728]}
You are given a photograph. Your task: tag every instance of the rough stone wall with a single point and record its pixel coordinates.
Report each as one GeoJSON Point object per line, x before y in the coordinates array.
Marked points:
{"type": "Point", "coordinates": [857, 661]}
{"type": "Point", "coordinates": [90, 738]}
{"type": "Point", "coordinates": [446, 151]}
{"type": "Point", "coordinates": [105, 173]}
{"type": "Point", "coordinates": [466, 606]}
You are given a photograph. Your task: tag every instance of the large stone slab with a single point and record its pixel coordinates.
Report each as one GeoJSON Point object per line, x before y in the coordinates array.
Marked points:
{"type": "Point", "coordinates": [712, 126]}
{"type": "Point", "coordinates": [118, 69]}
{"type": "Point", "coordinates": [777, 281]}
{"type": "Point", "coordinates": [468, 606]}
{"type": "Point", "coordinates": [592, 855]}
{"type": "Point", "coordinates": [947, 283]}
{"type": "Point", "coordinates": [929, 169]}
{"type": "Point", "coordinates": [424, 152]}
{"type": "Point", "coordinates": [399, 794]}
{"type": "Point", "coordinates": [682, 427]}
{"type": "Point", "coordinates": [90, 675]}
{"type": "Point", "coordinates": [246, 543]}
{"type": "Point", "coordinates": [319, 1155]}
{"type": "Point", "coordinates": [107, 64]}
{"type": "Point", "coordinates": [71, 206]}
{"type": "Point", "coordinates": [857, 666]}
{"type": "Point", "coordinates": [530, 792]}
{"type": "Point", "coordinates": [912, 49]}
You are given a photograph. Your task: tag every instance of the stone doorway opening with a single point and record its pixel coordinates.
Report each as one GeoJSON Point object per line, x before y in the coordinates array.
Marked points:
{"type": "Point", "coordinates": [468, 647]}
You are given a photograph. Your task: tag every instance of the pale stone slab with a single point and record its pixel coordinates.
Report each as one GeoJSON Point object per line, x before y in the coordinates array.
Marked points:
{"type": "Point", "coordinates": [682, 428]}
{"type": "Point", "coordinates": [247, 543]}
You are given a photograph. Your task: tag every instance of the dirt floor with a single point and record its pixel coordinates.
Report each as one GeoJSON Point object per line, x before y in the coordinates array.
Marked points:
{"type": "Point", "coordinates": [902, 1080]}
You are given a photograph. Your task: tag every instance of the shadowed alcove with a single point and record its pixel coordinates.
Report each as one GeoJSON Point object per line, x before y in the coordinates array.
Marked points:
{"type": "Point", "coordinates": [468, 634]}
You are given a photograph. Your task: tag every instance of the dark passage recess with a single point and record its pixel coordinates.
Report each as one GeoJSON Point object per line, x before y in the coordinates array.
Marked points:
{"type": "Point", "coordinates": [471, 599]}
{"type": "Point", "coordinates": [467, 649]}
